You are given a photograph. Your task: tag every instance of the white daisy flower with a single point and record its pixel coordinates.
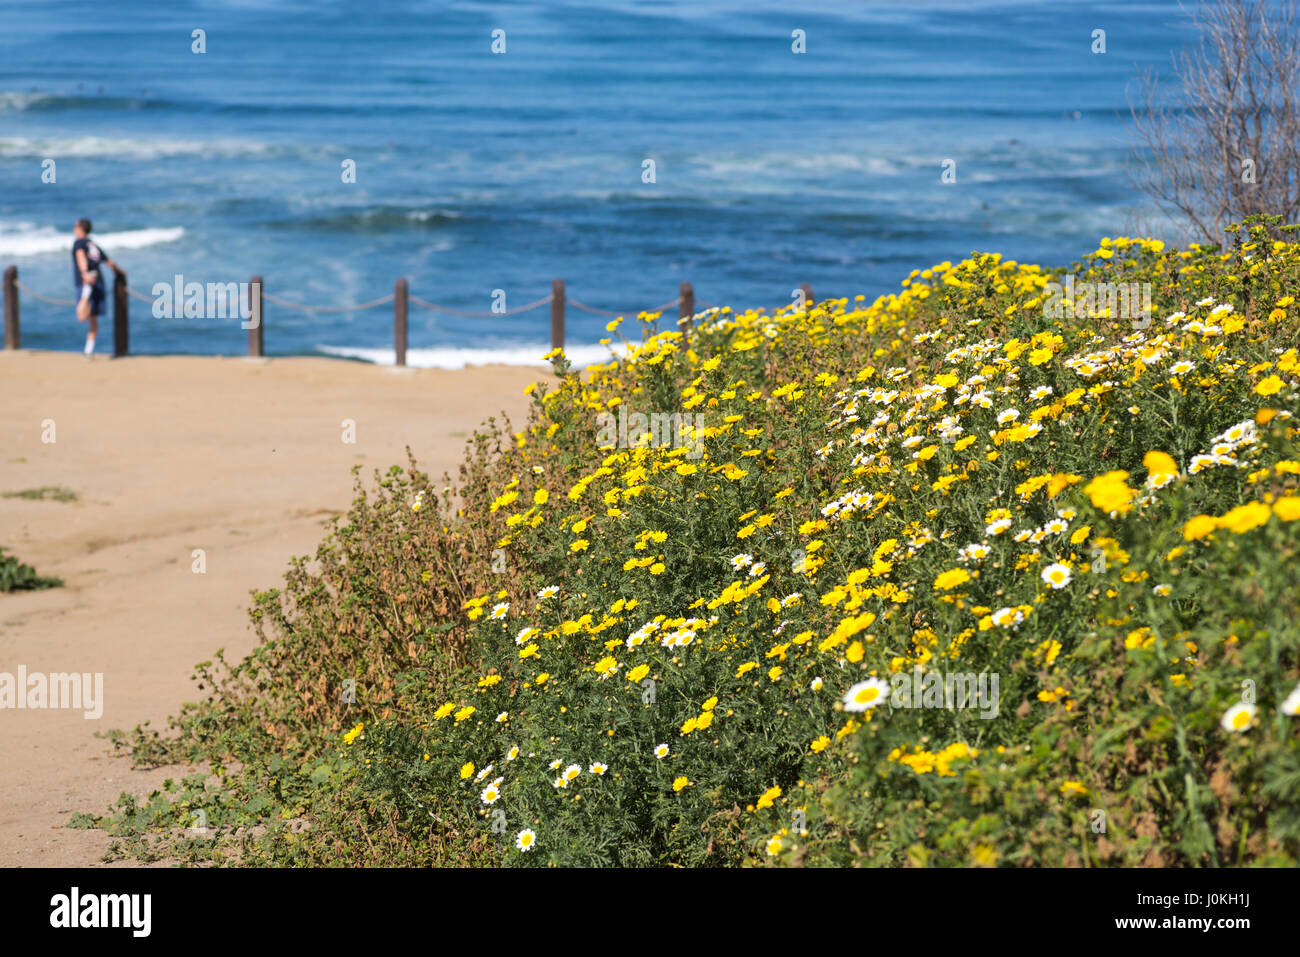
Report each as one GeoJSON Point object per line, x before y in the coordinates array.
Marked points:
{"type": "Point", "coordinates": [1008, 617]}
{"type": "Point", "coordinates": [661, 751]}
{"type": "Point", "coordinates": [598, 768]}
{"type": "Point", "coordinates": [525, 840]}
{"type": "Point", "coordinates": [1239, 717]}
{"type": "Point", "coordinates": [642, 633]}
{"type": "Point", "coordinates": [1291, 705]}
{"type": "Point", "coordinates": [816, 684]}
{"type": "Point", "coordinates": [1242, 432]}
{"type": "Point", "coordinates": [1056, 575]}
{"type": "Point", "coordinates": [490, 794]}
{"type": "Point", "coordinates": [866, 695]}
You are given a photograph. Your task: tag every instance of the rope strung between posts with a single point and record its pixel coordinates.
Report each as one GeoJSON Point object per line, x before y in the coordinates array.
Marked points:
{"type": "Point", "coordinates": [72, 302]}
{"type": "Point", "coordinates": [52, 302]}
{"type": "Point", "coordinates": [301, 308]}
{"type": "Point", "coordinates": [473, 314]}
{"type": "Point", "coordinates": [478, 315]}
{"type": "Point", "coordinates": [605, 312]}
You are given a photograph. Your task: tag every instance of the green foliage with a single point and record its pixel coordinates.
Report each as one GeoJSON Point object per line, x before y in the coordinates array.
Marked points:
{"type": "Point", "coordinates": [15, 576]}
{"type": "Point", "coordinates": [661, 653]}
{"type": "Point", "coordinates": [55, 493]}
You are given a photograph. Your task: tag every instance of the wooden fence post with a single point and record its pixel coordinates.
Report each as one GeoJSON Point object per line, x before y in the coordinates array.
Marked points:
{"type": "Point", "coordinates": [399, 322]}
{"type": "Point", "coordinates": [121, 317]}
{"type": "Point", "coordinates": [557, 313]}
{"type": "Point", "coordinates": [255, 304]}
{"type": "Point", "coordinates": [808, 299]}
{"type": "Point", "coordinates": [12, 338]}
{"type": "Point", "coordinates": [687, 307]}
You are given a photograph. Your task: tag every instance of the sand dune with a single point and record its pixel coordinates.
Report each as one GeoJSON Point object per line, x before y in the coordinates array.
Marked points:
{"type": "Point", "coordinates": [243, 459]}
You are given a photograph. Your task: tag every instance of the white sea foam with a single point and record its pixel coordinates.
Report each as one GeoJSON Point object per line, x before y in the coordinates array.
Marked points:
{"type": "Point", "coordinates": [20, 101]}
{"type": "Point", "coordinates": [27, 239]}
{"type": "Point", "coordinates": [424, 215]}
{"type": "Point", "coordinates": [452, 357]}
{"type": "Point", "coordinates": [741, 165]}
{"type": "Point", "coordinates": [132, 149]}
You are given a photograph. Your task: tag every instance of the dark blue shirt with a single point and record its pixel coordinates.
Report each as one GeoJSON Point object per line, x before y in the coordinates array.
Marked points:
{"type": "Point", "coordinates": [94, 256]}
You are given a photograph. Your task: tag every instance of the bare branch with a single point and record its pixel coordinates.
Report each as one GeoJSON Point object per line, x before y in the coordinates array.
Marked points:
{"type": "Point", "coordinates": [1225, 144]}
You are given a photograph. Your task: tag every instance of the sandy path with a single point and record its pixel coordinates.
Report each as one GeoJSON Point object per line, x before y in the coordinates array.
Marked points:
{"type": "Point", "coordinates": [242, 459]}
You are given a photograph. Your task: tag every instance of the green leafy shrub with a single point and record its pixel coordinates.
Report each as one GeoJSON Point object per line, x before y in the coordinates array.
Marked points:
{"type": "Point", "coordinates": [16, 576]}
{"type": "Point", "coordinates": [687, 649]}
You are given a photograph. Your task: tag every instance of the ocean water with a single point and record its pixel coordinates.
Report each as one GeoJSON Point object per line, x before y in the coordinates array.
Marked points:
{"type": "Point", "coordinates": [478, 172]}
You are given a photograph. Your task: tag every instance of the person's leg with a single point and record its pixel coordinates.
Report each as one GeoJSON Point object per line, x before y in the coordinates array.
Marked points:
{"type": "Point", "coordinates": [93, 326]}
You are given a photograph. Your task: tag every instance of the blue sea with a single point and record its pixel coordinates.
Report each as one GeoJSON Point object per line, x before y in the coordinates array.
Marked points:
{"type": "Point", "coordinates": [479, 171]}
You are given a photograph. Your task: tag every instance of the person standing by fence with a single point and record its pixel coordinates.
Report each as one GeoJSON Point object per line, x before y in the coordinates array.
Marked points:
{"type": "Point", "coordinates": [86, 260]}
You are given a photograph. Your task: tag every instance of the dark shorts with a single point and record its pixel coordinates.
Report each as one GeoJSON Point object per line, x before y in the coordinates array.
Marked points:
{"type": "Point", "coordinates": [96, 298]}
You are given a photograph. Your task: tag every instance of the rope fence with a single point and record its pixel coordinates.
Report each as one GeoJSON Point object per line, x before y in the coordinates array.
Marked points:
{"type": "Point", "coordinates": [605, 312]}
{"type": "Point", "coordinates": [400, 298]}
{"type": "Point", "coordinates": [326, 309]}
{"type": "Point", "coordinates": [36, 295]}
{"type": "Point", "coordinates": [472, 314]}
